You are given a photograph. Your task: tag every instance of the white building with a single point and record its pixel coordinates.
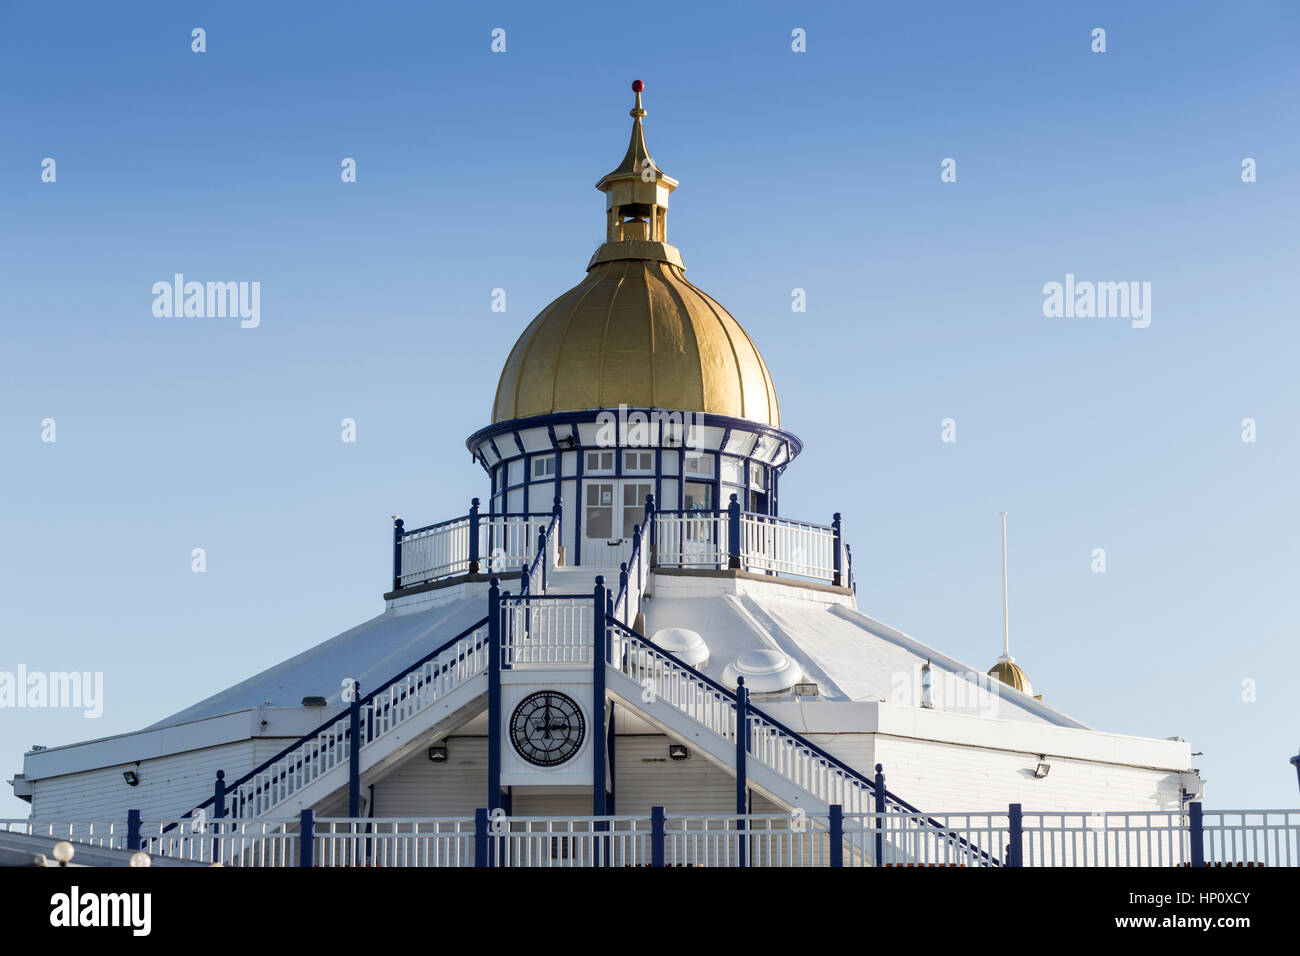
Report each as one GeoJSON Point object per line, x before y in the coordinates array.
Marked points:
{"type": "Point", "coordinates": [635, 437]}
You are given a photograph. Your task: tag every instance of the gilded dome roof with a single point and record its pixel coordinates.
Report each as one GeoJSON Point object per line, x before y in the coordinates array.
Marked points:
{"type": "Point", "coordinates": [635, 332]}
{"type": "Point", "coordinates": [1011, 674]}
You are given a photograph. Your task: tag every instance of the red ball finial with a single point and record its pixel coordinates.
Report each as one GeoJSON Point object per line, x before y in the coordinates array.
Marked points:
{"type": "Point", "coordinates": [637, 86]}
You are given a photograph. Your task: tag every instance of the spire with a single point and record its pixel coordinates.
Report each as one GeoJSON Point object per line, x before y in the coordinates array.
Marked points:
{"type": "Point", "coordinates": [636, 202]}
{"type": "Point", "coordinates": [1006, 669]}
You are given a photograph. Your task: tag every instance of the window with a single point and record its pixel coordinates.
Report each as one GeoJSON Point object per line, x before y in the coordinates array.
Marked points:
{"type": "Point", "coordinates": [544, 466]}
{"type": "Point", "coordinates": [699, 496]}
{"type": "Point", "coordinates": [634, 461]}
{"type": "Point", "coordinates": [757, 477]}
{"type": "Point", "coordinates": [598, 522]}
{"type": "Point", "coordinates": [598, 461]}
{"type": "Point", "coordinates": [697, 464]}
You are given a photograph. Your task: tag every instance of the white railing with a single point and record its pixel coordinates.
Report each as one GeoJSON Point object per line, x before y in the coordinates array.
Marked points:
{"type": "Point", "coordinates": [789, 547]}
{"type": "Point", "coordinates": [546, 630]}
{"type": "Point", "coordinates": [769, 840]}
{"type": "Point", "coordinates": [910, 838]}
{"type": "Point", "coordinates": [1106, 839]}
{"type": "Point", "coordinates": [571, 841]}
{"type": "Point", "coordinates": [395, 842]}
{"type": "Point", "coordinates": [507, 542]}
{"type": "Point", "coordinates": [685, 539]}
{"type": "Point", "coordinates": [664, 678]}
{"type": "Point", "coordinates": [381, 712]}
{"type": "Point", "coordinates": [440, 550]}
{"type": "Point", "coordinates": [1252, 837]}
{"type": "Point", "coordinates": [627, 601]}
{"type": "Point", "coordinates": [230, 842]}
{"type": "Point", "coordinates": [111, 835]}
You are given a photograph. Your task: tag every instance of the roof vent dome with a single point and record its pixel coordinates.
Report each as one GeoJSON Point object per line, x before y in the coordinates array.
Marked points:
{"type": "Point", "coordinates": [766, 671]}
{"type": "Point", "coordinates": [684, 644]}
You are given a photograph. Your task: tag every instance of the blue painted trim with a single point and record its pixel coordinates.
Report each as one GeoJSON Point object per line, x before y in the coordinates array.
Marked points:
{"type": "Point", "coordinates": [611, 802]}
{"type": "Point", "coordinates": [1015, 836]}
{"type": "Point", "coordinates": [219, 796]}
{"type": "Point", "coordinates": [836, 834]}
{"type": "Point", "coordinates": [307, 838]}
{"type": "Point", "coordinates": [480, 837]}
{"type": "Point", "coordinates": [792, 442]}
{"type": "Point", "coordinates": [742, 779]}
{"type": "Point", "coordinates": [133, 829]}
{"type": "Point", "coordinates": [1196, 830]}
{"type": "Point", "coordinates": [600, 633]}
{"type": "Point", "coordinates": [880, 809]}
{"type": "Point", "coordinates": [397, 553]}
{"type": "Point", "coordinates": [658, 836]}
{"type": "Point", "coordinates": [354, 753]}
{"type": "Point", "coordinates": [494, 694]}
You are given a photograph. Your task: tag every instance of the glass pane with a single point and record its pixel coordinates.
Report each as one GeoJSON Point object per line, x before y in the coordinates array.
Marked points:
{"type": "Point", "coordinates": [699, 495]}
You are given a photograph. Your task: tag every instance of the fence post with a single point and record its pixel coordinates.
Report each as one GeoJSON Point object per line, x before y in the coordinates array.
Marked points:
{"type": "Point", "coordinates": [1196, 826]}
{"type": "Point", "coordinates": [837, 834]}
{"type": "Point", "coordinates": [1016, 836]}
{"type": "Point", "coordinates": [880, 814]}
{"type": "Point", "coordinates": [733, 533]}
{"type": "Point", "coordinates": [623, 588]}
{"type": "Point", "coordinates": [133, 829]}
{"type": "Point", "coordinates": [307, 838]}
{"type": "Point", "coordinates": [742, 751]}
{"type": "Point", "coordinates": [473, 536]}
{"type": "Point", "coordinates": [650, 524]}
{"type": "Point", "coordinates": [480, 837]}
{"type": "Point", "coordinates": [837, 552]}
{"type": "Point", "coordinates": [557, 509]}
{"type": "Point", "coordinates": [398, 525]}
{"type": "Point", "coordinates": [600, 610]}
{"type": "Point", "coordinates": [354, 752]}
{"type": "Point", "coordinates": [541, 555]}
{"type": "Point", "coordinates": [494, 695]}
{"type": "Point", "coordinates": [848, 570]}
{"type": "Point", "coordinates": [219, 796]}
{"type": "Point", "coordinates": [657, 836]}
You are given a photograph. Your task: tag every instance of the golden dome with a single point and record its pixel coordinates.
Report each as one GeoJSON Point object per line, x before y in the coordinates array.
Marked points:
{"type": "Point", "coordinates": [1011, 674]}
{"type": "Point", "coordinates": [635, 332]}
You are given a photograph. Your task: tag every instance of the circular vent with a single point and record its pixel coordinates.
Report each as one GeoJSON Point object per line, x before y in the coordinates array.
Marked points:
{"type": "Point", "coordinates": [684, 644]}
{"type": "Point", "coordinates": [766, 671]}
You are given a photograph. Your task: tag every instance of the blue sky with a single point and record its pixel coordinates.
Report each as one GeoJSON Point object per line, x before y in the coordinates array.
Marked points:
{"type": "Point", "coordinates": [815, 170]}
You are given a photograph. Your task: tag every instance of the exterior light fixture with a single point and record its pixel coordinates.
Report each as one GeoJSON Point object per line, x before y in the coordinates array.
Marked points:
{"type": "Point", "coordinates": [131, 777]}
{"type": "Point", "coordinates": [139, 860]}
{"type": "Point", "coordinates": [807, 689]}
{"type": "Point", "coordinates": [678, 752]}
{"type": "Point", "coordinates": [1043, 767]}
{"type": "Point", "coordinates": [314, 702]}
{"type": "Point", "coordinates": [564, 441]}
{"type": "Point", "coordinates": [438, 753]}
{"type": "Point", "coordinates": [1295, 762]}
{"type": "Point", "coordinates": [927, 686]}
{"type": "Point", "coordinates": [64, 852]}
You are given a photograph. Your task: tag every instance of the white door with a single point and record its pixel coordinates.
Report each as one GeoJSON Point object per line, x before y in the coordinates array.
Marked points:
{"type": "Point", "coordinates": [612, 508]}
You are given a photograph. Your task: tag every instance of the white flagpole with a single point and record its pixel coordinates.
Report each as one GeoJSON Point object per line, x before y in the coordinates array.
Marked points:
{"type": "Point", "coordinates": [1006, 640]}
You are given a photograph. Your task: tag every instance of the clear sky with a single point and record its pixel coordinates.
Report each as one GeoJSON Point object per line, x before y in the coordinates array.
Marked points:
{"type": "Point", "coordinates": [817, 170]}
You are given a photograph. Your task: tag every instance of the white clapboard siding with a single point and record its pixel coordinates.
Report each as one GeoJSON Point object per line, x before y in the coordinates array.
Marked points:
{"type": "Point", "coordinates": [645, 777]}
{"type": "Point", "coordinates": [420, 788]}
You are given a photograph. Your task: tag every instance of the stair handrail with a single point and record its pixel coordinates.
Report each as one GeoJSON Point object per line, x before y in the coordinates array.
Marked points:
{"type": "Point", "coordinates": [344, 715]}
{"type": "Point", "coordinates": [632, 574]}
{"type": "Point", "coordinates": [857, 776]}
{"type": "Point", "coordinates": [534, 576]}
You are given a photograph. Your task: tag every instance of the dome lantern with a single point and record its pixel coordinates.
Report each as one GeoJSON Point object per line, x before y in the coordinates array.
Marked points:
{"type": "Point", "coordinates": [636, 202]}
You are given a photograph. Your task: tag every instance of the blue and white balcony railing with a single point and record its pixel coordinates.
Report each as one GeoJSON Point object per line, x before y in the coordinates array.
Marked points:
{"type": "Point", "coordinates": [746, 541]}
{"type": "Point", "coordinates": [1193, 838]}
{"type": "Point", "coordinates": [470, 544]}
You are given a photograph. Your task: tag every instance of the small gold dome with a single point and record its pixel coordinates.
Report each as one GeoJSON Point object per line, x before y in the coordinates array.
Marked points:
{"type": "Point", "coordinates": [636, 333]}
{"type": "Point", "coordinates": [1011, 674]}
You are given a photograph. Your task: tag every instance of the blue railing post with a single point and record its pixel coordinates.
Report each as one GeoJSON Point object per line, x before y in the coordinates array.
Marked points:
{"type": "Point", "coordinates": [219, 796]}
{"type": "Point", "coordinates": [837, 555]}
{"type": "Point", "coordinates": [848, 560]}
{"type": "Point", "coordinates": [473, 537]}
{"type": "Point", "coordinates": [398, 524]}
{"type": "Point", "coordinates": [733, 533]}
{"type": "Point", "coordinates": [837, 834]}
{"type": "Point", "coordinates": [354, 752]}
{"type": "Point", "coordinates": [1196, 828]}
{"type": "Point", "coordinates": [623, 588]}
{"type": "Point", "coordinates": [494, 695]}
{"type": "Point", "coordinates": [742, 780]}
{"type": "Point", "coordinates": [658, 833]}
{"type": "Point", "coordinates": [307, 838]}
{"type": "Point", "coordinates": [541, 555]}
{"type": "Point", "coordinates": [480, 837]}
{"type": "Point", "coordinates": [880, 815]}
{"type": "Point", "coordinates": [133, 829]}
{"type": "Point", "coordinates": [1015, 836]}
{"type": "Point", "coordinates": [649, 527]}
{"type": "Point", "coordinates": [600, 635]}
